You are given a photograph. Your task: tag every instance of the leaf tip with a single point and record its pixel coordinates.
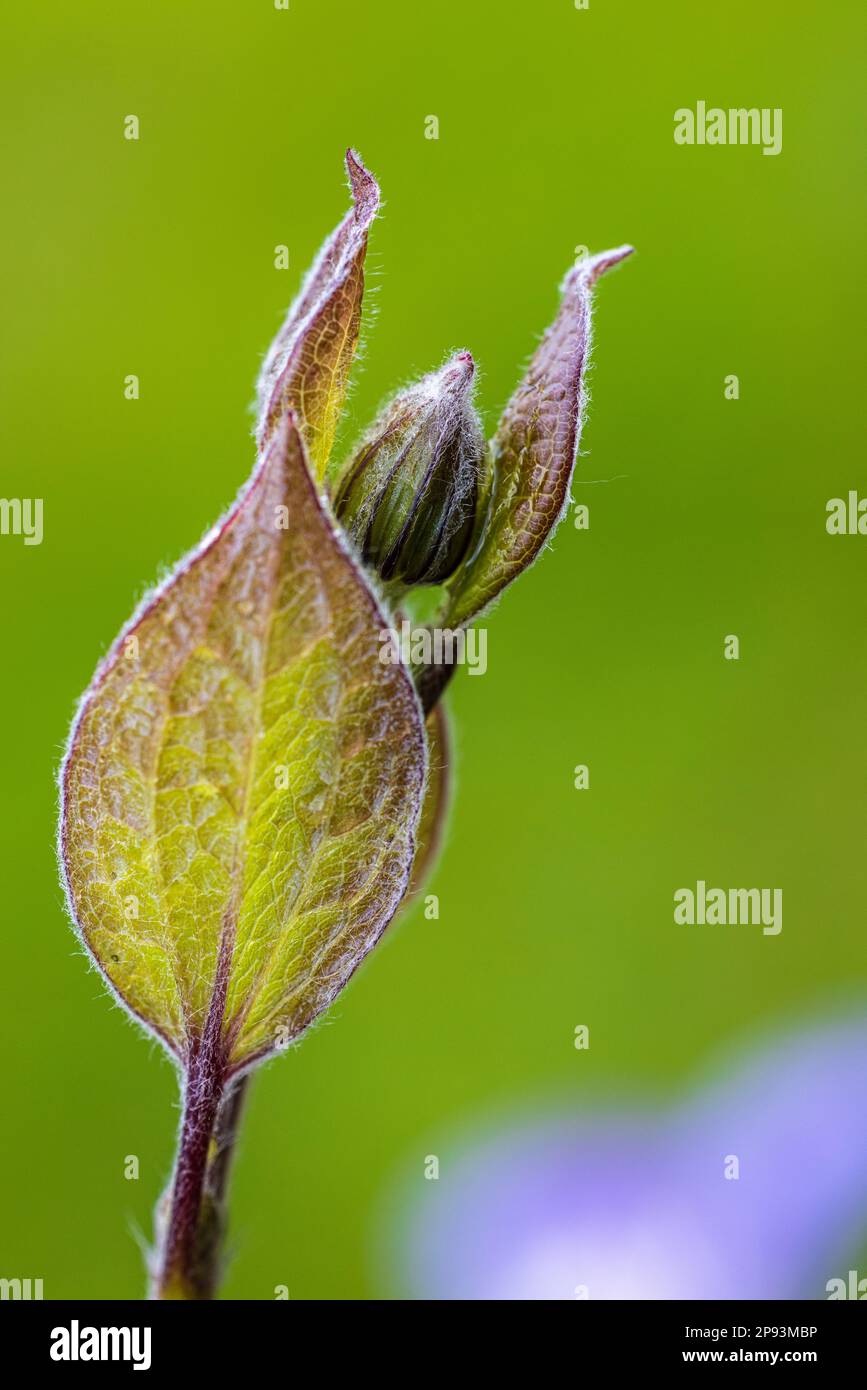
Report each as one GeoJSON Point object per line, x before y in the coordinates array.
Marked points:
{"type": "Point", "coordinates": [588, 270]}
{"type": "Point", "coordinates": [365, 189]}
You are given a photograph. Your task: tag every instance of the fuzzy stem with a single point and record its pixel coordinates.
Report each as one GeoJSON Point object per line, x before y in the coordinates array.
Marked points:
{"type": "Point", "coordinates": [182, 1257]}
{"type": "Point", "coordinates": [191, 1220]}
{"type": "Point", "coordinates": [225, 1136]}
{"type": "Point", "coordinates": [189, 1257]}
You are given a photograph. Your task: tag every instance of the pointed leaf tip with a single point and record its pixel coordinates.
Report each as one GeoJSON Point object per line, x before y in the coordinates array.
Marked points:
{"type": "Point", "coordinates": [307, 366]}
{"type": "Point", "coordinates": [364, 187]}
{"type": "Point", "coordinates": [592, 267]}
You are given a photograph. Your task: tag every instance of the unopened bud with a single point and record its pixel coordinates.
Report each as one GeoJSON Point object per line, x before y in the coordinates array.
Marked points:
{"type": "Point", "coordinates": [408, 497]}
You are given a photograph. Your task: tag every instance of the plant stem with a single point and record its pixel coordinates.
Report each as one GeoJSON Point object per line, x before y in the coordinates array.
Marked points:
{"type": "Point", "coordinates": [225, 1135]}
{"type": "Point", "coordinates": [189, 1257]}
{"type": "Point", "coordinates": [182, 1272]}
{"type": "Point", "coordinates": [191, 1220]}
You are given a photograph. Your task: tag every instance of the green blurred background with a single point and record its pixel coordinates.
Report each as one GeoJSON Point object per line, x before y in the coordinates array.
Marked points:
{"type": "Point", "coordinates": [157, 258]}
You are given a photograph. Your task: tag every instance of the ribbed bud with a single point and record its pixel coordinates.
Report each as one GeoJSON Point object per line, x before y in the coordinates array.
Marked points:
{"type": "Point", "coordinates": [408, 497]}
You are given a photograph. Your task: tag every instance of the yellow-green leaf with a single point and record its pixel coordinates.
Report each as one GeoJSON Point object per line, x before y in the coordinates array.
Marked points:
{"type": "Point", "coordinates": [307, 366]}
{"type": "Point", "coordinates": [243, 781]}
{"type": "Point", "coordinates": [533, 452]}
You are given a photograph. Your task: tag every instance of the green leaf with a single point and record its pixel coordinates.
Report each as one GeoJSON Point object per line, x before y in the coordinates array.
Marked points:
{"type": "Point", "coordinates": [244, 779]}
{"type": "Point", "coordinates": [533, 453]}
{"type": "Point", "coordinates": [307, 367]}
{"type": "Point", "coordinates": [436, 800]}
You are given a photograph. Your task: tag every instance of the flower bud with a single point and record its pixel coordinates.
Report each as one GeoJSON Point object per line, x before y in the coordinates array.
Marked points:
{"type": "Point", "coordinates": [408, 497]}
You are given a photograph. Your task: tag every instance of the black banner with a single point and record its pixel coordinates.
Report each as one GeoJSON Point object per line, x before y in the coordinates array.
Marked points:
{"type": "Point", "coordinates": [154, 1338]}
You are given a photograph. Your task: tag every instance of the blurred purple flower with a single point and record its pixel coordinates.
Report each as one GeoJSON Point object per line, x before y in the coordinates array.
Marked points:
{"type": "Point", "coordinates": [639, 1205]}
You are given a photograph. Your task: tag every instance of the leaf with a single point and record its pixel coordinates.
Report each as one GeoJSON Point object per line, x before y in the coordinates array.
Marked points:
{"type": "Point", "coordinates": [307, 366]}
{"type": "Point", "coordinates": [534, 450]}
{"type": "Point", "coordinates": [243, 781]}
{"type": "Point", "coordinates": [435, 804]}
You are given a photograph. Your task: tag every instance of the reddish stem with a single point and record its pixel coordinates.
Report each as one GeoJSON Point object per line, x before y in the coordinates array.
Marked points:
{"type": "Point", "coordinates": [189, 1254]}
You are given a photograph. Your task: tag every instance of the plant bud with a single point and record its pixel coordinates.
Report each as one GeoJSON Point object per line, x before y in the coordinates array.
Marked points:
{"type": "Point", "coordinates": [408, 498]}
